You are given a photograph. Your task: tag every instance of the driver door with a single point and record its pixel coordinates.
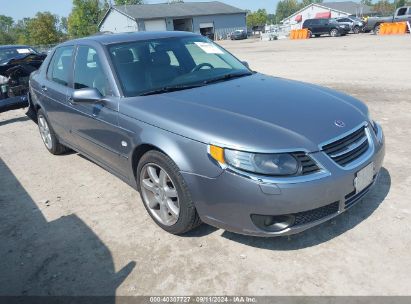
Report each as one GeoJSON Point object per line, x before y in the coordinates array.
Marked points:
{"type": "Point", "coordinates": [96, 125]}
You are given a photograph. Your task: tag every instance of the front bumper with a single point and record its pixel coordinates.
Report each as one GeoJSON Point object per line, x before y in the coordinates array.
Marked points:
{"type": "Point", "coordinates": [229, 200]}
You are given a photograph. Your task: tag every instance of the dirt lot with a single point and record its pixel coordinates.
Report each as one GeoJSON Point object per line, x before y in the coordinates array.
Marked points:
{"type": "Point", "coordinates": [69, 227]}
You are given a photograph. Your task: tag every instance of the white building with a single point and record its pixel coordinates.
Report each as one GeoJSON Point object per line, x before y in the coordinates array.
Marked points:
{"type": "Point", "coordinates": [213, 19]}
{"type": "Point", "coordinates": [326, 10]}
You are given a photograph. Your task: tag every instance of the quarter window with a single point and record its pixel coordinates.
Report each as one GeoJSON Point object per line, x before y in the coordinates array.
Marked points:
{"type": "Point", "coordinates": [60, 67]}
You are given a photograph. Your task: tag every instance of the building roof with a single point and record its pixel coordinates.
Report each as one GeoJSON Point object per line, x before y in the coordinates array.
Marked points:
{"type": "Point", "coordinates": [183, 9]}
{"type": "Point", "coordinates": [350, 7]}
{"type": "Point", "coordinates": [347, 7]}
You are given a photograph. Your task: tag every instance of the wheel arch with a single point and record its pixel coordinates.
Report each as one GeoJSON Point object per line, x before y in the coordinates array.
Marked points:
{"type": "Point", "coordinates": [138, 152]}
{"type": "Point", "coordinates": [189, 155]}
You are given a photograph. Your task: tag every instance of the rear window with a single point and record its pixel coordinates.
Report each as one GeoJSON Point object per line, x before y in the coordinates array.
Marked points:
{"type": "Point", "coordinates": [13, 52]}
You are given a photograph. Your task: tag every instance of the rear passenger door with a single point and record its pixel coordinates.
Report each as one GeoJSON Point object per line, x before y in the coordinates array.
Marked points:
{"type": "Point", "coordinates": [55, 89]}
{"type": "Point", "coordinates": [95, 126]}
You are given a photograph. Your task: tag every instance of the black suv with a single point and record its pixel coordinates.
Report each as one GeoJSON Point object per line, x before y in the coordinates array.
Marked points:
{"type": "Point", "coordinates": [318, 27]}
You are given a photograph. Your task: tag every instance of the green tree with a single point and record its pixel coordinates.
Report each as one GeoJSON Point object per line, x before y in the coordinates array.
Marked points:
{"type": "Point", "coordinates": [129, 2]}
{"type": "Point", "coordinates": [286, 8]}
{"type": "Point", "coordinates": [6, 25]}
{"type": "Point", "coordinates": [304, 3]}
{"type": "Point", "coordinates": [399, 3]}
{"type": "Point", "coordinates": [257, 18]}
{"type": "Point", "coordinates": [384, 7]}
{"type": "Point", "coordinates": [84, 17]}
{"type": "Point", "coordinates": [366, 2]}
{"type": "Point", "coordinates": [43, 29]}
{"type": "Point", "coordinates": [21, 31]}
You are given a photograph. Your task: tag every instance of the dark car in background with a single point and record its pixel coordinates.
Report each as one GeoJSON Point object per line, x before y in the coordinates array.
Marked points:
{"type": "Point", "coordinates": [356, 25]}
{"type": "Point", "coordinates": [204, 138]}
{"type": "Point", "coordinates": [17, 62]}
{"type": "Point", "coordinates": [238, 35]}
{"type": "Point", "coordinates": [318, 27]}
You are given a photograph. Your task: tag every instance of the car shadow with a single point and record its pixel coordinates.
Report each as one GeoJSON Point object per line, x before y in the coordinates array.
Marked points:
{"type": "Point", "coordinates": [55, 257]}
{"type": "Point", "coordinates": [13, 120]}
{"type": "Point", "coordinates": [328, 230]}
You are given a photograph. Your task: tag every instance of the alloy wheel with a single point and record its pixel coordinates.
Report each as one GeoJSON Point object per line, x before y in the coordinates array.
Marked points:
{"type": "Point", "coordinates": [159, 194]}
{"type": "Point", "coordinates": [45, 132]}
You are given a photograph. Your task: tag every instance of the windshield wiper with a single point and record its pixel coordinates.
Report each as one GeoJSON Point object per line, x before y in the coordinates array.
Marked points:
{"type": "Point", "coordinates": [227, 77]}
{"type": "Point", "coordinates": [170, 89]}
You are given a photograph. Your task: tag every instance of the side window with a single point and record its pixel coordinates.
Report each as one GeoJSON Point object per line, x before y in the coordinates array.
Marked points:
{"type": "Point", "coordinates": [88, 71]}
{"type": "Point", "coordinates": [402, 11]}
{"type": "Point", "coordinates": [315, 22]}
{"type": "Point", "coordinates": [60, 67]}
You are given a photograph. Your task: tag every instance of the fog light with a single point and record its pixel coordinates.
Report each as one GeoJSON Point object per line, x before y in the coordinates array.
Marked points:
{"type": "Point", "coordinates": [273, 223]}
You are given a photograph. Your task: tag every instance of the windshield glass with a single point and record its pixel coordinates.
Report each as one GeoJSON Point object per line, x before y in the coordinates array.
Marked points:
{"type": "Point", "coordinates": [6, 54]}
{"type": "Point", "coordinates": [146, 66]}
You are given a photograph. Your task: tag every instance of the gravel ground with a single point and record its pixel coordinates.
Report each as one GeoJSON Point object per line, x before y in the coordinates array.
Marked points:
{"type": "Point", "coordinates": [67, 227]}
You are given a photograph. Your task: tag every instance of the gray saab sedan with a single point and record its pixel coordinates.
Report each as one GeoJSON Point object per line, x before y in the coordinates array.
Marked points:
{"type": "Point", "coordinates": [202, 137]}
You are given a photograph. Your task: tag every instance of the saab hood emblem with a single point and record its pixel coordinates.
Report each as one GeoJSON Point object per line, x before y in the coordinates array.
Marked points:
{"type": "Point", "coordinates": [339, 123]}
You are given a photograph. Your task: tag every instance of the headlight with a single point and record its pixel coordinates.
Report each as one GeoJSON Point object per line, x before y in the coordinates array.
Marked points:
{"type": "Point", "coordinates": [267, 164]}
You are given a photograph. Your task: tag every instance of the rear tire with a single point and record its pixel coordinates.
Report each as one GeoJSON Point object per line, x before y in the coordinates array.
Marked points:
{"type": "Point", "coordinates": [356, 30]}
{"type": "Point", "coordinates": [177, 215]}
{"type": "Point", "coordinates": [334, 33]}
{"type": "Point", "coordinates": [376, 29]}
{"type": "Point", "coordinates": [48, 136]}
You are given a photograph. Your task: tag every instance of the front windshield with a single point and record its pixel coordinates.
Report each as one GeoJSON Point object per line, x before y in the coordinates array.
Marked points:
{"type": "Point", "coordinates": [150, 65]}
{"type": "Point", "coordinates": [6, 54]}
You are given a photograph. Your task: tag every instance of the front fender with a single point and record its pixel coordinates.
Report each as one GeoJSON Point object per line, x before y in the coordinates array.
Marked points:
{"type": "Point", "coordinates": [189, 155]}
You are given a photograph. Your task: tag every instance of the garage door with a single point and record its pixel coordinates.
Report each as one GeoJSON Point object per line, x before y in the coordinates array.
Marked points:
{"type": "Point", "coordinates": [155, 25]}
{"type": "Point", "coordinates": [206, 25]}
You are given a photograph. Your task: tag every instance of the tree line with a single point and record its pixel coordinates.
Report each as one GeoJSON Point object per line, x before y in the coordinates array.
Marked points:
{"type": "Point", "coordinates": [47, 28]}
{"type": "Point", "coordinates": [286, 8]}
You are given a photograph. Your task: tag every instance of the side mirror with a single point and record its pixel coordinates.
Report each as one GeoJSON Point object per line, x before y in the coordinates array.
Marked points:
{"type": "Point", "coordinates": [86, 95]}
{"type": "Point", "coordinates": [245, 63]}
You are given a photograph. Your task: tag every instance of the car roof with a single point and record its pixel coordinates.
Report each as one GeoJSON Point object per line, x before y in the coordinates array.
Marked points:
{"type": "Point", "coordinates": [109, 38]}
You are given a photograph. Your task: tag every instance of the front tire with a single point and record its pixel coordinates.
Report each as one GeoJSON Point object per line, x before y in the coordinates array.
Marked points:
{"type": "Point", "coordinates": [48, 136]}
{"type": "Point", "coordinates": [165, 194]}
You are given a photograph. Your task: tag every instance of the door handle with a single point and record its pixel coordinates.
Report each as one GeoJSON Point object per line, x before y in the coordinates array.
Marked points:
{"type": "Point", "coordinates": [70, 100]}
{"type": "Point", "coordinates": [44, 88]}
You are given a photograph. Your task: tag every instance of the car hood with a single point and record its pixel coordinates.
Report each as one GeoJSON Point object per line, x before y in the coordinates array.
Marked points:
{"type": "Point", "coordinates": [254, 113]}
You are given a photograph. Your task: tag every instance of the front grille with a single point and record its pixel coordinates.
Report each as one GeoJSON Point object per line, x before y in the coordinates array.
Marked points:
{"type": "Point", "coordinates": [348, 148]}
{"type": "Point", "coordinates": [307, 163]}
{"type": "Point", "coordinates": [309, 216]}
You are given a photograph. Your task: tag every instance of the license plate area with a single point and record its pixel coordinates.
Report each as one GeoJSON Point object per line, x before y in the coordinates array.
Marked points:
{"type": "Point", "coordinates": [364, 178]}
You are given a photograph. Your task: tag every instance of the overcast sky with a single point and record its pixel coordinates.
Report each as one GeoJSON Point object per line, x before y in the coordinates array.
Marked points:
{"type": "Point", "coordinates": [28, 8]}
